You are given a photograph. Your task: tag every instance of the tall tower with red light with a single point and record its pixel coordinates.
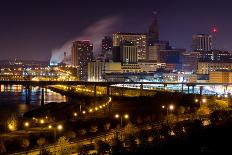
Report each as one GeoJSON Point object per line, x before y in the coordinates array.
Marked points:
{"type": "Point", "coordinates": [214, 31]}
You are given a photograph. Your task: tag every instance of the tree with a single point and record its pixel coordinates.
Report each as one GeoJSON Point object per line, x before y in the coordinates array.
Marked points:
{"type": "Point", "coordinates": [71, 134]}
{"type": "Point", "coordinates": [82, 131]}
{"type": "Point", "coordinates": [41, 141]}
{"type": "Point", "coordinates": [130, 129]}
{"type": "Point", "coordinates": [117, 146]}
{"type": "Point", "coordinates": [45, 152]}
{"type": "Point", "coordinates": [2, 147]}
{"type": "Point", "coordinates": [102, 147]}
{"type": "Point", "coordinates": [203, 110]}
{"type": "Point", "coordinates": [180, 110]}
{"type": "Point", "coordinates": [25, 143]}
{"type": "Point", "coordinates": [12, 122]}
{"type": "Point", "coordinates": [82, 150]}
{"type": "Point", "coordinates": [93, 129]}
{"type": "Point", "coordinates": [63, 142]}
{"type": "Point", "coordinates": [106, 126]}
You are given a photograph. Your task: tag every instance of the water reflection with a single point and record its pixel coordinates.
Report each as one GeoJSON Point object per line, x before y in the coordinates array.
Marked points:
{"type": "Point", "coordinates": [13, 99]}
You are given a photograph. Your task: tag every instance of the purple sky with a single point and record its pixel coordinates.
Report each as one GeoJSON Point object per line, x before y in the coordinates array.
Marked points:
{"type": "Point", "coordinates": [31, 29]}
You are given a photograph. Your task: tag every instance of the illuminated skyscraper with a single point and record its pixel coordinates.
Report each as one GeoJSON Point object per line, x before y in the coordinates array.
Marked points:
{"type": "Point", "coordinates": [139, 40]}
{"type": "Point", "coordinates": [202, 42]}
{"type": "Point", "coordinates": [82, 53]}
{"type": "Point", "coordinates": [128, 53]}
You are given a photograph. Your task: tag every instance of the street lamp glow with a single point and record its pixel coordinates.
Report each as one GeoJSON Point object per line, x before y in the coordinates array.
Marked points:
{"type": "Point", "coordinates": [204, 100]}
{"type": "Point", "coordinates": [171, 107]}
{"type": "Point", "coordinates": [83, 112]}
{"type": "Point", "coordinates": [196, 100]}
{"type": "Point", "coordinates": [41, 121]}
{"type": "Point", "coordinates": [90, 110]}
{"type": "Point", "coordinates": [96, 108]}
{"type": "Point", "coordinates": [50, 126]}
{"type": "Point", "coordinates": [11, 127]}
{"type": "Point", "coordinates": [75, 114]}
{"type": "Point", "coordinates": [163, 106]}
{"type": "Point", "coordinates": [100, 106]}
{"type": "Point", "coordinates": [26, 124]}
{"type": "Point", "coordinates": [59, 127]}
{"type": "Point", "coordinates": [117, 116]}
{"type": "Point", "coordinates": [126, 116]}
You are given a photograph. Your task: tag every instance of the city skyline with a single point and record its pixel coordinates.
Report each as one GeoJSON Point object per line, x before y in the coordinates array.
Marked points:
{"type": "Point", "coordinates": [39, 27]}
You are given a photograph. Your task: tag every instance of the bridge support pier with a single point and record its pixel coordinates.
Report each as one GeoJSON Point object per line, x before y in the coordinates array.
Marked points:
{"type": "Point", "coordinates": [94, 90]}
{"type": "Point", "coordinates": [122, 90]}
{"type": "Point", "coordinates": [28, 94]}
{"type": "Point", "coordinates": [225, 89]}
{"type": "Point", "coordinates": [182, 87]}
{"type": "Point", "coordinates": [188, 89]}
{"type": "Point", "coordinates": [108, 90]}
{"type": "Point", "coordinates": [193, 89]}
{"type": "Point", "coordinates": [141, 89]}
{"type": "Point", "coordinates": [165, 86]}
{"type": "Point", "coordinates": [42, 97]}
{"type": "Point", "coordinates": [201, 90]}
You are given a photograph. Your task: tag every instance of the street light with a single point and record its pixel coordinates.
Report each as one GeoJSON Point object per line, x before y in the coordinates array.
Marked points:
{"type": "Point", "coordinates": [75, 114]}
{"type": "Point", "coordinates": [170, 107]}
{"type": "Point", "coordinates": [50, 126]}
{"type": "Point", "coordinates": [26, 124]}
{"type": "Point", "coordinates": [204, 100]}
{"type": "Point", "coordinates": [41, 121]}
{"type": "Point", "coordinates": [126, 116]}
{"type": "Point", "coordinates": [58, 127]}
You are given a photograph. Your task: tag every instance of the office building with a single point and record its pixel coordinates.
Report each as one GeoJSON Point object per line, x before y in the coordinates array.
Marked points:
{"type": "Point", "coordinates": [153, 50]}
{"type": "Point", "coordinates": [206, 67]}
{"type": "Point", "coordinates": [139, 40]}
{"type": "Point", "coordinates": [220, 76]}
{"type": "Point", "coordinates": [97, 70]}
{"type": "Point", "coordinates": [82, 53]}
{"type": "Point", "coordinates": [128, 53]}
{"type": "Point", "coordinates": [179, 77]}
{"type": "Point", "coordinates": [189, 61]}
{"type": "Point", "coordinates": [215, 56]}
{"type": "Point", "coordinates": [202, 42]}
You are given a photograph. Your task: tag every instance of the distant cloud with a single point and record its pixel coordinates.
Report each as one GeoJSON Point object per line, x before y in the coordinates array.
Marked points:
{"type": "Point", "coordinates": [95, 32]}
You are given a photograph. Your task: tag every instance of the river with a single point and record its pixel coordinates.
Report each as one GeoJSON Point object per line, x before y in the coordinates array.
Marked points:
{"type": "Point", "coordinates": [13, 99]}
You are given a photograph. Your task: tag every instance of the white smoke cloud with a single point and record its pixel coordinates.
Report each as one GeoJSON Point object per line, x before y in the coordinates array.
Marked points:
{"type": "Point", "coordinates": [95, 32]}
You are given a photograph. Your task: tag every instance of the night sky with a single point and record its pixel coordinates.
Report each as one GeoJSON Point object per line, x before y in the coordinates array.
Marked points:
{"type": "Point", "coordinates": [30, 29]}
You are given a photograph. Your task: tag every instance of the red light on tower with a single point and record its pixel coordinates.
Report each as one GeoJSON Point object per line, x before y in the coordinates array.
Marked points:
{"type": "Point", "coordinates": [214, 30]}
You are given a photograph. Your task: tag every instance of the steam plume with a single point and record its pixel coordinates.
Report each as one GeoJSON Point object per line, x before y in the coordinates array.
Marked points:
{"type": "Point", "coordinates": [94, 32]}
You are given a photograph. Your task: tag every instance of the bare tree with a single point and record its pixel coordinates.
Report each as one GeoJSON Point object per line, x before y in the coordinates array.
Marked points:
{"type": "Point", "coordinates": [12, 122]}
{"type": "Point", "coordinates": [63, 143]}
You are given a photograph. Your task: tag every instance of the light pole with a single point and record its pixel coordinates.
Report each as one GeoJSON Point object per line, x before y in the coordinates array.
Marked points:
{"type": "Point", "coordinates": [203, 101]}
{"type": "Point", "coordinates": [125, 116]}
{"type": "Point", "coordinates": [26, 125]}
{"type": "Point", "coordinates": [58, 127]}
{"type": "Point", "coordinates": [170, 107]}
